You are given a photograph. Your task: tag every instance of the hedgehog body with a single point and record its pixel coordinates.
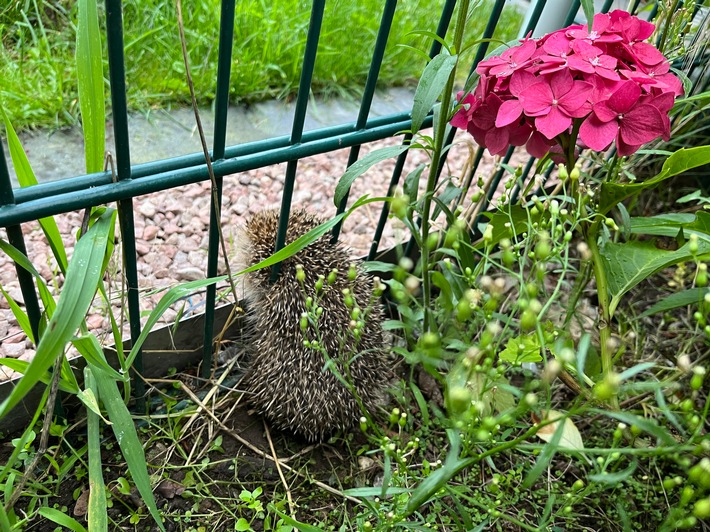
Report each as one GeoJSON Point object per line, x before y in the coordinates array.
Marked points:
{"type": "Point", "coordinates": [287, 381]}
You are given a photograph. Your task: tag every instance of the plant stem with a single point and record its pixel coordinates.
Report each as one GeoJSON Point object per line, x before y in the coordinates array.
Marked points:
{"type": "Point", "coordinates": [592, 235]}
{"type": "Point", "coordinates": [440, 130]}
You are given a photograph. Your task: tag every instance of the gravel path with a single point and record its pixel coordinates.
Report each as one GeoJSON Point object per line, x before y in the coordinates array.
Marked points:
{"type": "Point", "coordinates": [171, 232]}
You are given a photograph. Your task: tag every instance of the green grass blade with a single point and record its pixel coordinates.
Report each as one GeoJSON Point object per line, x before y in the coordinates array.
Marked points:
{"type": "Point", "coordinates": [97, 516]}
{"type": "Point", "coordinates": [29, 430]}
{"type": "Point", "coordinates": [546, 455]}
{"type": "Point", "coordinates": [24, 262]}
{"type": "Point", "coordinates": [83, 276]}
{"type": "Point", "coordinates": [363, 165]}
{"type": "Point", "coordinates": [676, 300]}
{"type": "Point", "coordinates": [170, 297]}
{"type": "Point", "coordinates": [90, 79]}
{"type": "Point", "coordinates": [127, 437]}
{"type": "Point", "coordinates": [4, 521]}
{"type": "Point", "coordinates": [15, 364]}
{"type": "Point", "coordinates": [20, 315]}
{"type": "Point", "coordinates": [312, 235]}
{"type": "Point", "coordinates": [438, 479]}
{"type": "Point", "coordinates": [62, 519]}
{"type": "Point", "coordinates": [89, 347]}
{"type": "Point", "coordinates": [26, 178]}
{"type": "Point", "coordinates": [588, 7]}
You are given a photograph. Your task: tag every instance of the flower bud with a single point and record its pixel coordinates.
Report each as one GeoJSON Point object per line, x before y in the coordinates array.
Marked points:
{"type": "Point", "coordinates": [488, 233]}
{"type": "Point", "coordinates": [562, 172]}
{"type": "Point", "coordinates": [693, 244]}
{"type": "Point", "coordinates": [300, 274]}
{"type": "Point", "coordinates": [400, 205]}
{"type": "Point", "coordinates": [701, 279]}
{"type": "Point", "coordinates": [332, 276]}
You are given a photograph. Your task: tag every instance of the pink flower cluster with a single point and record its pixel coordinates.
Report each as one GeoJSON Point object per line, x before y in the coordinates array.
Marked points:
{"type": "Point", "coordinates": [606, 82]}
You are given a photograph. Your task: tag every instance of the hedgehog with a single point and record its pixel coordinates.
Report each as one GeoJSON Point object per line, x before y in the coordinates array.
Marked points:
{"type": "Point", "coordinates": [297, 387]}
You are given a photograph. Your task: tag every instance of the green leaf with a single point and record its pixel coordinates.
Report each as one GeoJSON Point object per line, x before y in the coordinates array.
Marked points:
{"type": "Point", "coordinates": [644, 424]}
{"type": "Point", "coordinates": [613, 478]}
{"type": "Point", "coordinates": [24, 262]}
{"type": "Point", "coordinates": [438, 479]}
{"type": "Point", "coordinates": [588, 7]}
{"type": "Point", "coordinates": [90, 77]}
{"type": "Point", "coordinates": [89, 347]}
{"type": "Point", "coordinates": [21, 366]}
{"type": "Point", "coordinates": [670, 224]}
{"type": "Point", "coordinates": [681, 161]}
{"type": "Point", "coordinates": [26, 178]}
{"type": "Point", "coordinates": [521, 349]}
{"type": "Point", "coordinates": [546, 455]}
{"type": "Point", "coordinates": [127, 438]}
{"type": "Point", "coordinates": [97, 514]}
{"type": "Point", "coordinates": [242, 524]}
{"type": "Point", "coordinates": [361, 166]}
{"type": "Point", "coordinates": [62, 519]}
{"type": "Point", "coordinates": [172, 295]}
{"type": "Point", "coordinates": [411, 183]}
{"type": "Point", "coordinates": [374, 492]}
{"type": "Point", "coordinates": [20, 315]}
{"type": "Point", "coordinates": [516, 216]}
{"type": "Point", "coordinates": [431, 85]}
{"type": "Point", "coordinates": [91, 402]}
{"type": "Point", "coordinates": [629, 263]}
{"type": "Point", "coordinates": [677, 300]}
{"type": "Point", "coordinates": [83, 275]}
{"type": "Point", "coordinates": [302, 527]}
{"type": "Point", "coordinates": [310, 237]}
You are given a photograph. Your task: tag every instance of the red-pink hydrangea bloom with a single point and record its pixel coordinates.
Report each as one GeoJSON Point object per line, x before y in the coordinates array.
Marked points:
{"type": "Point", "coordinates": [607, 84]}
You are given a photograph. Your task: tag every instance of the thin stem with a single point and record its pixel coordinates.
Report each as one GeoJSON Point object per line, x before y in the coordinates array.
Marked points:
{"type": "Point", "coordinates": [431, 178]}
{"type": "Point", "coordinates": [603, 295]}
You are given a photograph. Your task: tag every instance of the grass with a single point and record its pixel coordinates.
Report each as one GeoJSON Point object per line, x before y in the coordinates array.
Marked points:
{"type": "Point", "coordinates": [38, 81]}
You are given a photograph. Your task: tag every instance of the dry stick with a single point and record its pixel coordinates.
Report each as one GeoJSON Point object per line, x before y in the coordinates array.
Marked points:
{"type": "Point", "coordinates": [291, 506]}
{"type": "Point", "coordinates": [205, 150]}
{"type": "Point", "coordinates": [251, 446]}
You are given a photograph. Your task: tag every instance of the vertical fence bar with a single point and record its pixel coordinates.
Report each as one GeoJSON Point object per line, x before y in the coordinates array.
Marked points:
{"type": "Point", "coordinates": [370, 85]}
{"type": "Point", "coordinates": [441, 29]}
{"type": "Point", "coordinates": [572, 13]}
{"type": "Point", "coordinates": [299, 117]}
{"type": "Point", "coordinates": [480, 54]}
{"type": "Point", "coordinates": [224, 66]}
{"type": "Point", "coordinates": [14, 236]}
{"type": "Point", "coordinates": [117, 76]}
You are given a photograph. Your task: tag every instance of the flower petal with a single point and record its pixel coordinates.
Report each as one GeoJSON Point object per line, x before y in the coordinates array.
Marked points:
{"type": "Point", "coordinates": [554, 123]}
{"type": "Point", "coordinates": [641, 125]}
{"type": "Point", "coordinates": [536, 99]}
{"type": "Point", "coordinates": [625, 97]}
{"type": "Point", "coordinates": [497, 140]}
{"type": "Point", "coordinates": [508, 112]}
{"type": "Point", "coordinates": [577, 97]}
{"type": "Point", "coordinates": [597, 134]}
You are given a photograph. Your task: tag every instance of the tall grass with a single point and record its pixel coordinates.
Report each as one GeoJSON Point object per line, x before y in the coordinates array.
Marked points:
{"type": "Point", "coordinates": [37, 80]}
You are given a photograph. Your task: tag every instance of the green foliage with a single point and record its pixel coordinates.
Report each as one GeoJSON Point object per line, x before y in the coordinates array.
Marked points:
{"type": "Point", "coordinates": [36, 61]}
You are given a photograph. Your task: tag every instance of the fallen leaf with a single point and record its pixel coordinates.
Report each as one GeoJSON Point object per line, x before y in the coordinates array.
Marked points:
{"type": "Point", "coordinates": [170, 489]}
{"type": "Point", "coordinates": [571, 438]}
{"type": "Point", "coordinates": [81, 507]}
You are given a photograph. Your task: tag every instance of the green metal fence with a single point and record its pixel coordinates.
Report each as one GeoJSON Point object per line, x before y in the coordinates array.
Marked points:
{"type": "Point", "coordinates": [18, 206]}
